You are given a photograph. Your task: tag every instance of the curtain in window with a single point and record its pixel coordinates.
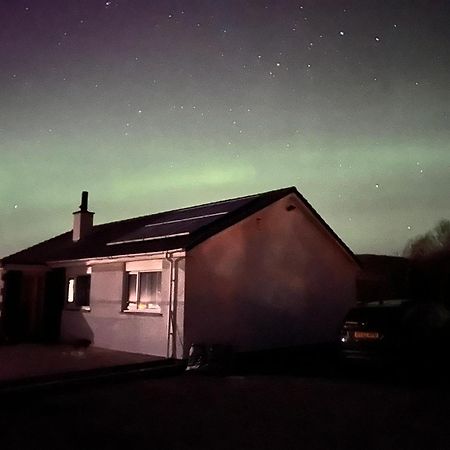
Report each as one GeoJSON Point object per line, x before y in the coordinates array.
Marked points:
{"type": "Point", "coordinates": [150, 289]}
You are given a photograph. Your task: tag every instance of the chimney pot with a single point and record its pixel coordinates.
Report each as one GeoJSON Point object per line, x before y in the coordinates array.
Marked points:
{"type": "Point", "coordinates": [84, 201]}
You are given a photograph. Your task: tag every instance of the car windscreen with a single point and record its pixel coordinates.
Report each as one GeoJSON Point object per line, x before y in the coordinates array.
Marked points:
{"type": "Point", "coordinates": [375, 316]}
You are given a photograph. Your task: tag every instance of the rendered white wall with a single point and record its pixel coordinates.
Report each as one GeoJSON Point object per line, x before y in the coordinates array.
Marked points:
{"type": "Point", "coordinates": [274, 279]}
{"type": "Point", "coordinates": [108, 327]}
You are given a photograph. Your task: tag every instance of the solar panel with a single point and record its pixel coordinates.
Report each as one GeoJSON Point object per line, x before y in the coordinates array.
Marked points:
{"type": "Point", "coordinates": [180, 222]}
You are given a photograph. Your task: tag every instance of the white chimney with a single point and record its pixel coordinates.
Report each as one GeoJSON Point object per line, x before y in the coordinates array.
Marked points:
{"type": "Point", "coordinates": [83, 220]}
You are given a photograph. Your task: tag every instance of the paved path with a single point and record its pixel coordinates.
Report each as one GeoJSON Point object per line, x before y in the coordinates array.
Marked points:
{"type": "Point", "coordinates": [32, 360]}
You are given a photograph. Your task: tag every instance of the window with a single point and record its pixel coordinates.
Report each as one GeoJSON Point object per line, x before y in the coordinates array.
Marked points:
{"type": "Point", "coordinates": [144, 292]}
{"type": "Point", "coordinates": [78, 292]}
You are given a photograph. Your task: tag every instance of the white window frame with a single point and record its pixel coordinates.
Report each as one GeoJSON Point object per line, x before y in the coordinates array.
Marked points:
{"type": "Point", "coordinates": [71, 290]}
{"type": "Point", "coordinates": [152, 310]}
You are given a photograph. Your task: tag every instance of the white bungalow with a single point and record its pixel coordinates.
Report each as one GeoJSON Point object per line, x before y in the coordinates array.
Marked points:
{"type": "Point", "coordinates": [256, 272]}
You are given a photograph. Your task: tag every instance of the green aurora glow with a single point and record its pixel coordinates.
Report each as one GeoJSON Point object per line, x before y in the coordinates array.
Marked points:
{"type": "Point", "coordinates": [160, 113]}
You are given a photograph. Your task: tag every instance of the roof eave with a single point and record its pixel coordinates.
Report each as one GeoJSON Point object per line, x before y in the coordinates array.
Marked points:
{"type": "Point", "coordinates": [116, 258]}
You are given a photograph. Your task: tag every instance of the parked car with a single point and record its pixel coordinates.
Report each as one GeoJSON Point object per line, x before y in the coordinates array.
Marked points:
{"type": "Point", "coordinates": [399, 330]}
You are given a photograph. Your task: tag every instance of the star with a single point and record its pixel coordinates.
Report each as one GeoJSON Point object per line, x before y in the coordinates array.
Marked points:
{"type": "Point", "coordinates": [183, 71]}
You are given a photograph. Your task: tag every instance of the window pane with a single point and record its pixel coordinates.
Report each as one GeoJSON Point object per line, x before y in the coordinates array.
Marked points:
{"type": "Point", "coordinates": [149, 290]}
{"type": "Point", "coordinates": [71, 291]}
{"type": "Point", "coordinates": [132, 290]}
{"type": "Point", "coordinates": [145, 287]}
{"type": "Point", "coordinates": [82, 290]}
{"type": "Point", "coordinates": [157, 283]}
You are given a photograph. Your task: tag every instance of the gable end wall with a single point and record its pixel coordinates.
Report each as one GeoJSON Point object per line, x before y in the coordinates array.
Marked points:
{"type": "Point", "coordinates": [275, 279]}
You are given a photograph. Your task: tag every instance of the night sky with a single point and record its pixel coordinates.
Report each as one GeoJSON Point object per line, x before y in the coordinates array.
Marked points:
{"type": "Point", "coordinates": [155, 105]}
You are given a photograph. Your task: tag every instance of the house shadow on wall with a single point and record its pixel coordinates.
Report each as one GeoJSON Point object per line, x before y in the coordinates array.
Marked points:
{"type": "Point", "coordinates": [79, 333]}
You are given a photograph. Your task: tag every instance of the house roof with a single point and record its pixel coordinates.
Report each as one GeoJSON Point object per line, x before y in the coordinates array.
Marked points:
{"type": "Point", "coordinates": [181, 228]}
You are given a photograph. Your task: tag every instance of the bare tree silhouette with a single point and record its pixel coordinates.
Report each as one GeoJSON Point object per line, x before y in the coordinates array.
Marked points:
{"type": "Point", "coordinates": [430, 243]}
{"type": "Point", "coordinates": [429, 255]}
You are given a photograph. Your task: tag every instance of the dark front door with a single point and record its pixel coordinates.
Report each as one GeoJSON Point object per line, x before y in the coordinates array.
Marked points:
{"type": "Point", "coordinates": [14, 318]}
{"type": "Point", "coordinates": [54, 295]}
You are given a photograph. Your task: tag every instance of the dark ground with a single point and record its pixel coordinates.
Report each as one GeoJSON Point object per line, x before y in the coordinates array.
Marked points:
{"type": "Point", "coordinates": [327, 410]}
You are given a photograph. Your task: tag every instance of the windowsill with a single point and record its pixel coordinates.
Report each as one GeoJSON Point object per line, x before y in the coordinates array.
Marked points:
{"type": "Point", "coordinates": [142, 313]}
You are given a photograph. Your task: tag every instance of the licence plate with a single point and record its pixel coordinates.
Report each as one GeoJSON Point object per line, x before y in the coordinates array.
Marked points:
{"type": "Point", "coordinates": [369, 335]}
